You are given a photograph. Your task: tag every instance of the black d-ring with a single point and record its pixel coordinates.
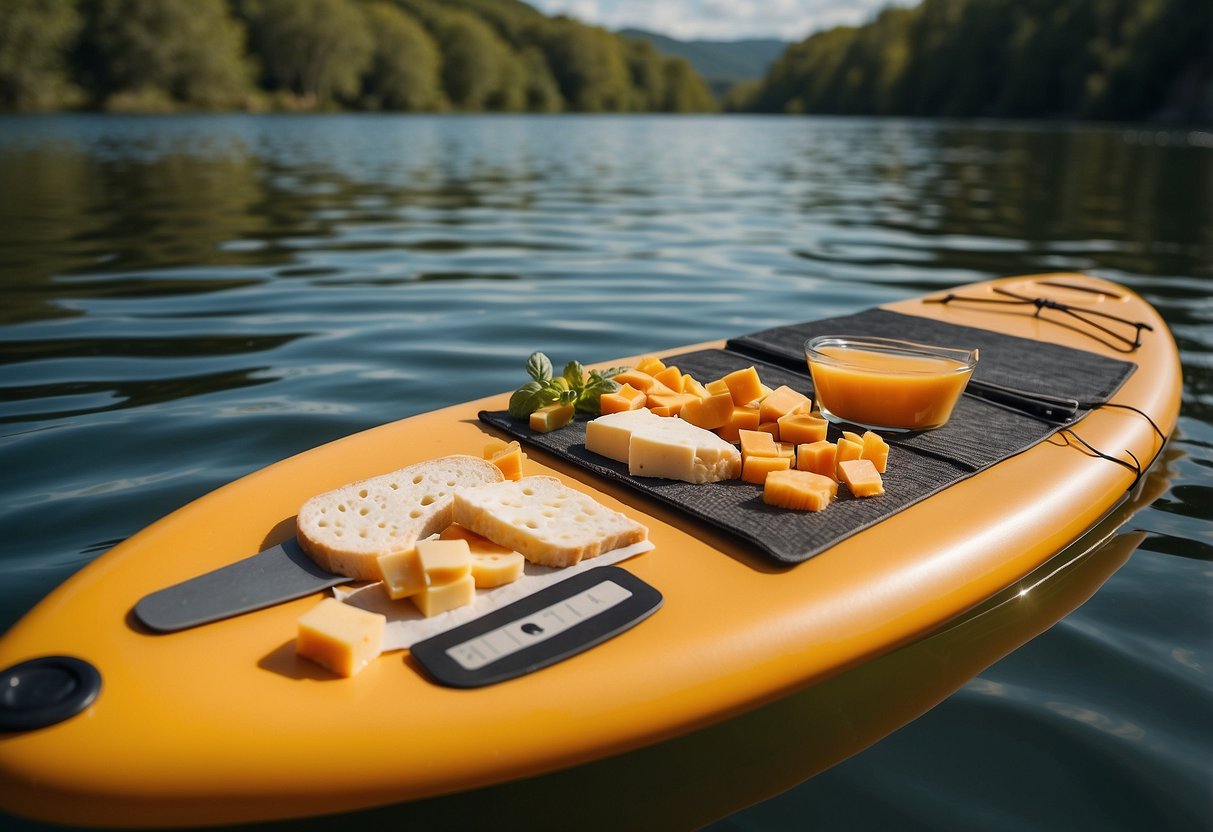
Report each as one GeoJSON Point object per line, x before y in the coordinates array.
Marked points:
{"type": "Point", "coordinates": [46, 690]}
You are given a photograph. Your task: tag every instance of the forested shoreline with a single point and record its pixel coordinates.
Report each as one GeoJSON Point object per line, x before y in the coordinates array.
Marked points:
{"type": "Point", "coordinates": [1120, 60]}
{"type": "Point", "coordinates": [1072, 59]}
{"type": "Point", "coordinates": [403, 55]}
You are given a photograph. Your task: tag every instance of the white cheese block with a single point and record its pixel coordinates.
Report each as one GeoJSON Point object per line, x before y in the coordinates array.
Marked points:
{"type": "Point", "coordinates": [610, 435]}
{"type": "Point", "coordinates": [674, 449]}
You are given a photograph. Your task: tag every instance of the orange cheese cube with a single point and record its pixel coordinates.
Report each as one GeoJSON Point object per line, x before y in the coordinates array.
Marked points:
{"type": "Point", "coordinates": [711, 412]}
{"type": "Point", "coordinates": [756, 443]}
{"type": "Point", "coordinates": [820, 457]}
{"type": "Point", "coordinates": [744, 385]}
{"type": "Point", "coordinates": [339, 637]}
{"type": "Point", "coordinates": [802, 428]}
{"type": "Point", "coordinates": [780, 402]}
{"type": "Point", "coordinates": [626, 397]}
{"type": "Point", "coordinates": [787, 449]}
{"type": "Point", "coordinates": [690, 385]}
{"type": "Point", "coordinates": [671, 377]}
{"type": "Point", "coordinates": [551, 417]}
{"type": "Point", "coordinates": [801, 490]}
{"type": "Point", "coordinates": [742, 418]}
{"type": "Point", "coordinates": [493, 447]}
{"type": "Point", "coordinates": [861, 477]}
{"type": "Point", "coordinates": [877, 450]}
{"type": "Point", "coordinates": [771, 428]}
{"type": "Point", "coordinates": [650, 364]}
{"type": "Point", "coordinates": [672, 402]}
{"type": "Point", "coordinates": [717, 386]}
{"type": "Point", "coordinates": [635, 378]}
{"type": "Point", "coordinates": [755, 468]}
{"type": "Point", "coordinates": [848, 449]}
{"type": "Point", "coordinates": [509, 459]}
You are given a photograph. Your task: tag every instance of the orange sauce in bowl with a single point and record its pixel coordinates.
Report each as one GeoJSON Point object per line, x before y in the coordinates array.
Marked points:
{"type": "Point", "coordinates": [875, 388]}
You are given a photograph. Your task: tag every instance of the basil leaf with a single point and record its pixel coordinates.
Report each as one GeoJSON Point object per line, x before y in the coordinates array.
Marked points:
{"type": "Point", "coordinates": [613, 371]}
{"type": "Point", "coordinates": [527, 399]}
{"type": "Point", "coordinates": [539, 367]}
{"type": "Point", "coordinates": [574, 374]}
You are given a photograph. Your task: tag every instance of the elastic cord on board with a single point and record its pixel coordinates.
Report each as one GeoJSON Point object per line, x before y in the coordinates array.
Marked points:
{"type": "Point", "coordinates": [1134, 466]}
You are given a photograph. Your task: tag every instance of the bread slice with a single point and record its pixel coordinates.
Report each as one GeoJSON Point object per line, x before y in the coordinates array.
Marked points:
{"type": "Point", "coordinates": [346, 530]}
{"type": "Point", "coordinates": [545, 520]}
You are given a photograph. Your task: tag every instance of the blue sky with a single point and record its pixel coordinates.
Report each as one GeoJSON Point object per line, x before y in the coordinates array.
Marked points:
{"type": "Point", "coordinates": [719, 19]}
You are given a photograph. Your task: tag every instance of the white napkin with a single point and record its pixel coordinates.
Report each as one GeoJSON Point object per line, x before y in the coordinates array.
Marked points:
{"type": "Point", "coordinates": [406, 625]}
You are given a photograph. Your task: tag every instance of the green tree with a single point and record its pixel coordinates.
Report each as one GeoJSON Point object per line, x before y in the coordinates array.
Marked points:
{"type": "Point", "coordinates": [539, 85]}
{"type": "Point", "coordinates": [589, 66]}
{"type": "Point", "coordinates": [35, 39]}
{"type": "Point", "coordinates": [685, 91]}
{"type": "Point", "coordinates": [317, 49]}
{"type": "Point", "coordinates": [170, 52]}
{"type": "Point", "coordinates": [478, 69]}
{"type": "Point", "coordinates": [406, 71]}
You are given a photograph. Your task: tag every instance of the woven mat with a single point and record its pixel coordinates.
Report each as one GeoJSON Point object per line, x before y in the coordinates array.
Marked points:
{"type": "Point", "coordinates": [978, 435]}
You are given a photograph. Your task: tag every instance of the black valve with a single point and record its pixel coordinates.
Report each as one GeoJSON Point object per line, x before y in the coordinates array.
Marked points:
{"type": "Point", "coordinates": [46, 690]}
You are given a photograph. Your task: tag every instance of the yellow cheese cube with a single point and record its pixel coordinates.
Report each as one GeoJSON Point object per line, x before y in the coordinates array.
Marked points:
{"type": "Point", "coordinates": [496, 570]}
{"type": "Point", "coordinates": [756, 443]}
{"type": "Point", "coordinates": [650, 364]}
{"type": "Point", "coordinates": [755, 468]}
{"type": "Point", "coordinates": [444, 597]}
{"type": "Point", "coordinates": [802, 428]}
{"type": "Point", "coordinates": [820, 457]}
{"type": "Point", "coordinates": [744, 385]}
{"type": "Point", "coordinates": [626, 397]}
{"type": "Point", "coordinates": [801, 490]}
{"type": "Point", "coordinates": [444, 561]}
{"type": "Point", "coordinates": [877, 450]}
{"type": "Point", "coordinates": [477, 544]}
{"type": "Point", "coordinates": [781, 401]}
{"type": "Point", "coordinates": [743, 418]}
{"type": "Point", "coordinates": [861, 477]}
{"type": "Point", "coordinates": [709, 413]}
{"type": "Point", "coordinates": [550, 417]}
{"type": "Point", "coordinates": [403, 574]}
{"type": "Point", "coordinates": [339, 637]}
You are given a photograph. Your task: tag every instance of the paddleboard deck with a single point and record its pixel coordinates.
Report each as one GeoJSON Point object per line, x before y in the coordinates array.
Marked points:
{"type": "Point", "coordinates": [223, 723]}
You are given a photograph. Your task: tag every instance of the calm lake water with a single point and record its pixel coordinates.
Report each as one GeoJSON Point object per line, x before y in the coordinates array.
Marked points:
{"type": "Point", "coordinates": [187, 299]}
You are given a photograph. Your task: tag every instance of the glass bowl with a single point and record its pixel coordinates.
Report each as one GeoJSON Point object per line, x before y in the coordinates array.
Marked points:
{"type": "Point", "coordinates": [882, 383]}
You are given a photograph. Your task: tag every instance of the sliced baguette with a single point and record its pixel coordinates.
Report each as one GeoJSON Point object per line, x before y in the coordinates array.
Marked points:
{"type": "Point", "coordinates": [545, 520]}
{"type": "Point", "coordinates": [346, 530]}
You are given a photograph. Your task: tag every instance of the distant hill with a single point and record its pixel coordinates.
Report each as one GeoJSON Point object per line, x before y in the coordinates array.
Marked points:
{"type": "Point", "coordinates": [722, 63]}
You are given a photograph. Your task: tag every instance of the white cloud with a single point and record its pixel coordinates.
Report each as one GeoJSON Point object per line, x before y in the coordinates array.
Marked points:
{"type": "Point", "coordinates": [719, 19]}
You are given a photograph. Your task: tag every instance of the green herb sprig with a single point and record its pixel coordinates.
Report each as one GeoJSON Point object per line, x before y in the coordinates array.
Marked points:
{"type": "Point", "coordinates": [573, 386]}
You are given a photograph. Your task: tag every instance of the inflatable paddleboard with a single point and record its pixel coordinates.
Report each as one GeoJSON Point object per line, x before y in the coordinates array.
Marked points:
{"type": "Point", "coordinates": [736, 606]}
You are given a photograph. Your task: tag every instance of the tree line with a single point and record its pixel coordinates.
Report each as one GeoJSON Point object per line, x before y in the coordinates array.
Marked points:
{"type": "Point", "coordinates": [404, 55]}
{"type": "Point", "coordinates": [1093, 59]}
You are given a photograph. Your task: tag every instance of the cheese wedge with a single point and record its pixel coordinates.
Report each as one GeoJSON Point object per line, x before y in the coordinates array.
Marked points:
{"type": "Point", "coordinates": [674, 449]}
{"type": "Point", "coordinates": [611, 434]}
